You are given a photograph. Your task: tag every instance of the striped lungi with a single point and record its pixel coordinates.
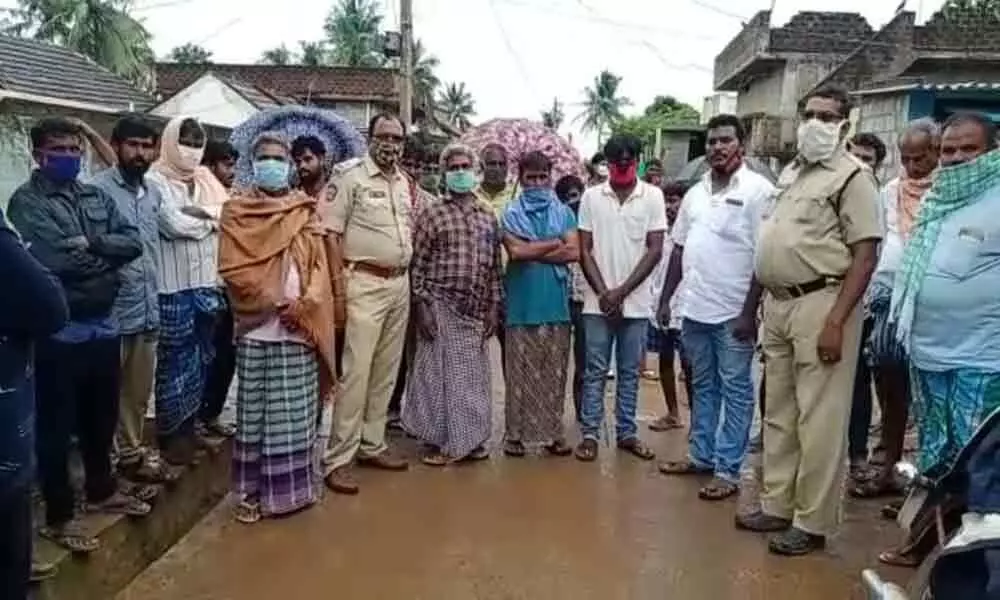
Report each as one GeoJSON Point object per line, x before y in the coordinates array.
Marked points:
{"type": "Point", "coordinates": [882, 348]}
{"type": "Point", "coordinates": [277, 412]}
{"type": "Point", "coordinates": [184, 353]}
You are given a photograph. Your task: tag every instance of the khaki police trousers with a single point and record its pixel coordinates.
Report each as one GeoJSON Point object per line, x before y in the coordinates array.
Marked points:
{"type": "Point", "coordinates": [807, 412]}
{"type": "Point", "coordinates": [138, 367]}
{"type": "Point", "coordinates": [377, 314]}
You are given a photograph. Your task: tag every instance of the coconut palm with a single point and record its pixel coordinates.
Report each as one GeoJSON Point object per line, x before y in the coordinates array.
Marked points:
{"type": "Point", "coordinates": [352, 29]}
{"type": "Point", "coordinates": [190, 54]}
{"type": "Point", "coordinates": [602, 105]}
{"type": "Point", "coordinates": [100, 29]}
{"type": "Point", "coordinates": [457, 105]}
{"type": "Point", "coordinates": [554, 116]}
{"type": "Point", "coordinates": [313, 54]}
{"type": "Point", "coordinates": [280, 55]}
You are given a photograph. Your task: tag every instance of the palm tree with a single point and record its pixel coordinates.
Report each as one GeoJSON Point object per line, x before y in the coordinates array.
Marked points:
{"type": "Point", "coordinates": [352, 29]}
{"type": "Point", "coordinates": [313, 54]}
{"type": "Point", "coordinates": [554, 116]}
{"type": "Point", "coordinates": [425, 81]}
{"type": "Point", "coordinates": [457, 104]}
{"type": "Point", "coordinates": [602, 105]}
{"type": "Point", "coordinates": [280, 55]}
{"type": "Point", "coordinates": [103, 30]}
{"type": "Point", "coordinates": [190, 54]}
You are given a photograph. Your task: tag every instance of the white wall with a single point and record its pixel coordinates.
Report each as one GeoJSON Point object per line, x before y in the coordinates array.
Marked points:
{"type": "Point", "coordinates": [719, 103]}
{"type": "Point", "coordinates": [210, 101]}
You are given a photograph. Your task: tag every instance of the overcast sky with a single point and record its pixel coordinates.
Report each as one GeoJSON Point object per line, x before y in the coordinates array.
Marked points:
{"type": "Point", "coordinates": [515, 56]}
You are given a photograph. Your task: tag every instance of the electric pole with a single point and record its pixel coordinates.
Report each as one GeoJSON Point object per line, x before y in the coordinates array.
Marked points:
{"type": "Point", "coordinates": [406, 62]}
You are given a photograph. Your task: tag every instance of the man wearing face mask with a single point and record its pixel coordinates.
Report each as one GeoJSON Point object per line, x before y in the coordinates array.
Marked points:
{"type": "Point", "coordinates": [815, 255]}
{"type": "Point", "coordinates": [714, 240]}
{"type": "Point", "coordinates": [598, 169]}
{"type": "Point", "coordinates": [134, 141]}
{"type": "Point", "coordinates": [78, 233]}
{"type": "Point", "coordinates": [190, 297]}
{"type": "Point", "coordinates": [272, 257]}
{"type": "Point", "coordinates": [369, 222]}
{"type": "Point", "coordinates": [622, 224]}
{"type": "Point", "coordinates": [457, 294]}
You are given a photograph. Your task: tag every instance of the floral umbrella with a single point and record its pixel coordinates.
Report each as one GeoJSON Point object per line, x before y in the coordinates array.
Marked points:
{"type": "Point", "coordinates": [520, 136]}
{"type": "Point", "coordinates": [341, 139]}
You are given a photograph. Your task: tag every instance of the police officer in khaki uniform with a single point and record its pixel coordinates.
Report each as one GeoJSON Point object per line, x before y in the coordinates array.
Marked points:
{"type": "Point", "coordinates": [370, 219]}
{"type": "Point", "coordinates": [814, 259]}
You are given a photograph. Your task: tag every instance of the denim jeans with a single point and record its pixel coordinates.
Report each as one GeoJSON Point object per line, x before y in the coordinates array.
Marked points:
{"type": "Point", "coordinates": [723, 404]}
{"type": "Point", "coordinates": [629, 338]}
{"type": "Point", "coordinates": [15, 543]}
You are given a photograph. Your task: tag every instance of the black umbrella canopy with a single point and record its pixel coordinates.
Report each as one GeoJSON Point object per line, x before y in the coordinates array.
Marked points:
{"type": "Point", "coordinates": [699, 166]}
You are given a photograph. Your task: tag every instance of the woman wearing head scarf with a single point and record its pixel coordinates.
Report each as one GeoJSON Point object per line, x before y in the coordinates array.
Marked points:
{"type": "Point", "coordinates": [273, 260]}
{"type": "Point", "coordinates": [457, 294]}
{"type": "Point", "coordinates": [190, 296]}
{"type": "Point", "coordinates": [539, 233]}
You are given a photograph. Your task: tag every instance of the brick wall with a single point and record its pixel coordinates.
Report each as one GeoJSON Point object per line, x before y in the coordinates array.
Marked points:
{"type": "Point", "coordinates": [816, 31]}
{"type": "Point", "coordinates": [960, 30]}
{"type": "Point", "coordinates": [749, 42]}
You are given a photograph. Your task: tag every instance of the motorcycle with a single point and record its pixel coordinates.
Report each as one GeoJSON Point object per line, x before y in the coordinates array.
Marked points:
{"type": "Point", "coordinates": [952, 518]}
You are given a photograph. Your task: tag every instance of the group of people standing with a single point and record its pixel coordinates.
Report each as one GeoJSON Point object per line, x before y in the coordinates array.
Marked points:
{"type": "Point", "coordinates": [355, 296]}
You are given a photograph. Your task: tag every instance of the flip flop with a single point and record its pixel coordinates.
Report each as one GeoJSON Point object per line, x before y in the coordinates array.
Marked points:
{"type": "Point", "coordinates": [247, 512]}
{"type": "Point", "coordinates": [70, 537]}
{"type": "Point", "coordinates": [586, 451]}
{"type": "Point", "coordinates": [684, 468]}
{"type": "Point", "coordinates": [514, 449]}
{"type": "Point", "coordinates": [718, 489]}
{"type": "Point", "coordinates": [895, 558]}
{"type": "Point", "coordinates": [637, 449]}
{"type": "Point", "coordinates": [559, 448]}
{"type": "Point", "coordinates": [436, 460]}
{"type": "Point", "coordinates": [666, 423]}
{"type": "Point", "coordinates": [120, 504]}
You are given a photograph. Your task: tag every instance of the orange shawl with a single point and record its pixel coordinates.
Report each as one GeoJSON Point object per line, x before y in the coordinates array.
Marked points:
{"type": "Point", "coordinates": [911, 192]}
{"type": "Point", "coordinates": [258, 234]}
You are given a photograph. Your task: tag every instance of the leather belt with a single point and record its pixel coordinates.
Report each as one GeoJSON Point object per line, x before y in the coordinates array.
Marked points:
{"type": "Point", "coordinates": [380, 271]}
{"type": "Point", "coordinates": [797, 291]}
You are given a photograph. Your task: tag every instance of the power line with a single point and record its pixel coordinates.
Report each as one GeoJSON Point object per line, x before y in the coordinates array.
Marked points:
{"type": "Point", "coordinates": [513, 53]}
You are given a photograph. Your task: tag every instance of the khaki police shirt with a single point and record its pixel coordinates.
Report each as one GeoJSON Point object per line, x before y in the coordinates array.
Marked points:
{"type": "Point", "coordinates": [374, 214]}
{"type": "Point", "coordinates": [806, 236]}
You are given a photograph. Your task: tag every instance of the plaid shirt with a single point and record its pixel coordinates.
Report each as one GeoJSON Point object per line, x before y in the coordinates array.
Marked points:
{"type": "Point", "coordinates": [456, 258]}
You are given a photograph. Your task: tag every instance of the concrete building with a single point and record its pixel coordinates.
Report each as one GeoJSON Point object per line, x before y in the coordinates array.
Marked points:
{"type": "Point", "coordinates": [719, 103]}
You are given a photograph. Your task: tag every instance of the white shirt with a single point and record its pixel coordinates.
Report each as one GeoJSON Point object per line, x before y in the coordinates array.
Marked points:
{"type": "Point", "coordinates": [619, 233]}
{"type": "Point", "coordinates": [188, 245]}
{"type": "Point", "coordinates": [719, 233]}
{"type": "Point", "coordinates": [891, 246]}
{"type": "Point", "coordinates": [656, 281]}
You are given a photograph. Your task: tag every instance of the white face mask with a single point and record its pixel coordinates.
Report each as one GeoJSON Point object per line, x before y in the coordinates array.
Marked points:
{"type": "Point", "coordinates": [818, 141]}
{"type": "Point", "coordinates": [190, 157]}
{"type": "Point", "coordinates": [602, 171]}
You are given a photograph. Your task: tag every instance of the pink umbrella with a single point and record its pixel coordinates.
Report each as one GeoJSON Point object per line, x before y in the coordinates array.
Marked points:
{"type": "Point", "coordinates": [520, 136]}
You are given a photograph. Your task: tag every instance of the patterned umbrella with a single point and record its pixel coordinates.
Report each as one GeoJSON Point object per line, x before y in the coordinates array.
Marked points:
{"type": "Point", "coordinates": [341, 139]}
{"type": "Point", "coordinates": [520, 136]}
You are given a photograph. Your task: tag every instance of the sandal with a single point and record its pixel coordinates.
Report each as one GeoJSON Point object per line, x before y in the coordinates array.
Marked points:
{"type": "Point", "coordinates": [120, 504]}
{"type": "Point", "coordinates": [650, 375]}
{"type": "Point", "coordinates": [877, 487]}
{"type": "Point", "coordinates": [684, 467]}
{"type": "Point", "coordinates": [150, 470]}
{"type": "Point", "coordinates": [637, 449]}
{"type": "Point", "coordinates": [559, 448]}
{"type": "Point", "coordinates": [718, 489]}
{"type": "Point", "coordinates": [140, 491]}
{"type": "Point", "coordinates": [480, 453]}
{"type": "Point", "coordinates": [247, 512]}
{"type": "Point", "coordinates": [70, 537]}
{"type": "Point", "coordinates": [666, 423]}
{"type": "Point", "coordinates": [586, 451]}
{"type": "Point", "coordinates": [891, 510]}
{"type": "Point", "coordinates": [436, 460]}
{"type": "Point", "coordinates": [899, 558]}
{"type": "Point", "coordinates": [217, 428]}
{"type": "Point", "coordinates": [514, 449]}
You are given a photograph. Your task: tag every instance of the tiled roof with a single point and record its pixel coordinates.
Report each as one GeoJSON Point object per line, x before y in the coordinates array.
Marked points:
{"type": "Point", "coordinates": [43, 69]}
{"type": "Point", "coordinates": [298, 81]}
{"type": "Point", "coordinates": [254, 95]}
{"type": "Point", "coordinates": [903, 84]}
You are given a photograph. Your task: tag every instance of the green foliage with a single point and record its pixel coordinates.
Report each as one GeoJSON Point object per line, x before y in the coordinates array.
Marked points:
{"type": "Point", "coordinates": [353, 29]}
{"type": "Point", "coordinates": [280, 55]}
{"type": "Point", "coordinates": [102, 30]}
{"type": "Point", "coordinates": [968, 11]}
{"type": "Point", "coordinates": [190, 54]}
{"type": "Point", "coordinates": [457, 105]}
{"type": "Point", "coordinates": [664, 111]}
{"type": "Point", "coordinates": [602, 105]}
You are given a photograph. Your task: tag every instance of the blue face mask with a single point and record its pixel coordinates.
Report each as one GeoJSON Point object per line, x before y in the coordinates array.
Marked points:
{"type": "Point", "coordinates": [271, 174]}
{"type": "Point", "coordinates": [60, 168]}
{"type": "Point", "coordinates": [461, 182]}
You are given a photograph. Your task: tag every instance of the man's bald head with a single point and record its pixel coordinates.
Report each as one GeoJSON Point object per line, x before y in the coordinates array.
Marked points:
{"type": "Point", "coordinates": [920, 148]}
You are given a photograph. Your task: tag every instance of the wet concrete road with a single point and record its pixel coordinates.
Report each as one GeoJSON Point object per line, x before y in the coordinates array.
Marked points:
{"type": "Point", "coordinates": [536, 528]}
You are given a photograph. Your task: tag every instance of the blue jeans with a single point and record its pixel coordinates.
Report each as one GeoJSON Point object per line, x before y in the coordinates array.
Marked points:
{"type": "Point", "coordinates": [723, 391]}
{"type": "Point", "coordinates": [629, 338]}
